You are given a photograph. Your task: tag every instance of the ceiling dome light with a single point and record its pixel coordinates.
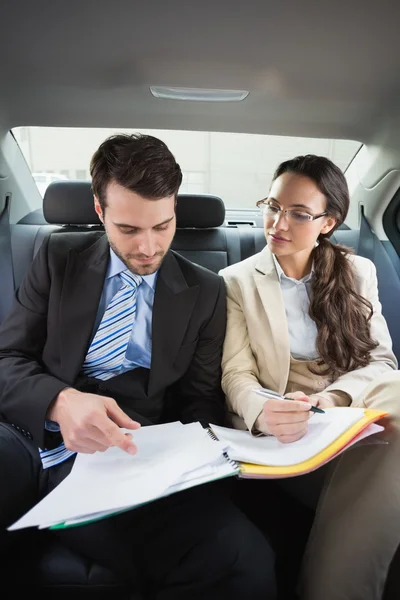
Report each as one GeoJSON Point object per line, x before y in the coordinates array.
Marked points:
{"type": "Point", "coordinates": [198, 94]}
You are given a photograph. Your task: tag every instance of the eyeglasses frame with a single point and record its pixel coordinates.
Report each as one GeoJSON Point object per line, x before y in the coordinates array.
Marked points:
{"type": "Point", "coordinates": [285, 211]}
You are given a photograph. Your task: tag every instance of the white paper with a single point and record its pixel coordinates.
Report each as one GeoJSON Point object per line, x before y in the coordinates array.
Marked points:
{"type": "Point", "coordinates": [323, 429]}
{"type": "Point", "coordinates": [113, 479]}
{"type": "Point", "coordinates": [216, 470]}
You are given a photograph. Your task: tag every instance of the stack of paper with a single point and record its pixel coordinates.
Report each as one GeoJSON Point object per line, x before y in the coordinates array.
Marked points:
{"type": "Point", "coordinates": [170, 458]}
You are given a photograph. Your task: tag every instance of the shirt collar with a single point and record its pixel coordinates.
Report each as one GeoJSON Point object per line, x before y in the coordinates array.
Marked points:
{"type": "Point", "coordinates": [281, 274]}
{"type": "Point", "coordinates": [116, 266]}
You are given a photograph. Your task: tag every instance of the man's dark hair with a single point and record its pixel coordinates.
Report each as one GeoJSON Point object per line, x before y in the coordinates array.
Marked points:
{"type": "Point", "coordinates": [140, 163]}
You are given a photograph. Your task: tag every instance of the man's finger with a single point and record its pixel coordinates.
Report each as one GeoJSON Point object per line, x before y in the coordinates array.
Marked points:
{"type": "Point", "coordinates": [120, 417]}
{"type": "Point", "coordinates": [114, 436]}
{"type": "Point", "coordinates": [85, 447]}
{"type": "Point", "coordinates": [119, 439]}
{"type": "Point", "coordinates": [104, 437]}
{"type": "Point", "coordinates": [126, 444]}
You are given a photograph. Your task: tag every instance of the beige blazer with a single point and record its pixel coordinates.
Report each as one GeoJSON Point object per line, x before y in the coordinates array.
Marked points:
{"type": "Point", "coordinates": [256, 348]}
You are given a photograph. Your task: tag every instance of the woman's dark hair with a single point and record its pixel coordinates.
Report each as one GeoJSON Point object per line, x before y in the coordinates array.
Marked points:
{"type": "Point", "coordinates": [140, 163]}
{"type": "Point", "coordinates": [342, 316]}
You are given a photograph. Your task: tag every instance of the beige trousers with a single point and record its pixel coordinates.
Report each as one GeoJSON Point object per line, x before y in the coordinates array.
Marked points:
{"type": "Point", "coordinates": [357, 526]}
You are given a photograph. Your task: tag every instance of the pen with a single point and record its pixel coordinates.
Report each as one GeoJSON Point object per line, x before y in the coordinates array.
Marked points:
{"type": "Point", "coordinates": [271, 394]}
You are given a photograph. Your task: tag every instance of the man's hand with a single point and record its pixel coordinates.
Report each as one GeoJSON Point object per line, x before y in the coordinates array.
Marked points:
{"type": "Point", "coordinates": [287, 420]}
{"type": "Point", "coordinates": [91, 423]}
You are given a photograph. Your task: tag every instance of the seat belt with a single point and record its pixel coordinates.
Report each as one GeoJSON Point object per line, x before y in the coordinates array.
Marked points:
{"type": "Point", "coordinates": [6, 263]}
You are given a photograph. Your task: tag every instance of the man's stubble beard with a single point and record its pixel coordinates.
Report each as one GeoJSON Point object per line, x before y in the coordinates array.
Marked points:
{"type": "Point", "coordinates": [140, 269]}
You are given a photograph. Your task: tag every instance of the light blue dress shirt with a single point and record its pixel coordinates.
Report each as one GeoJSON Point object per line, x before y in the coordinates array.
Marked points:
{"type": "Point", "coordinates": [302, 329]}
{"type": "Point", "coordinates": [138, 352]}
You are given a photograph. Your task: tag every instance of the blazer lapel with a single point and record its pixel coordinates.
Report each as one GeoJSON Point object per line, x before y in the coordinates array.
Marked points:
{"type": "Point", "coordinates": [80, 297]}
{"type": "Point", "coordinates": [278, 349]}
{"type": "Point", "coordinates": [173, 305]}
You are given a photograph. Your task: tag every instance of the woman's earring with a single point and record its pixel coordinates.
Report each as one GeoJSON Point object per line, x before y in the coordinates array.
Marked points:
{"type": "Point", "coordinates": [316, 244]}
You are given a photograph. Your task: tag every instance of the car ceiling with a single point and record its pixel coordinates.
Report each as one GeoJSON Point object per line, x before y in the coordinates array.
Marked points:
{"type": "Point", "coordinates": [329, 69]}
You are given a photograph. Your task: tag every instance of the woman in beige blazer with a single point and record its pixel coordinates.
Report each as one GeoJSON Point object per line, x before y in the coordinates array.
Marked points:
{"type": "Point", "coordinates": [304, 319]}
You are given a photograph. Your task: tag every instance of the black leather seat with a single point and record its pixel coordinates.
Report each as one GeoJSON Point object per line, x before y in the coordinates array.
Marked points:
{"type": "Point", "coordinates": [32, 559]}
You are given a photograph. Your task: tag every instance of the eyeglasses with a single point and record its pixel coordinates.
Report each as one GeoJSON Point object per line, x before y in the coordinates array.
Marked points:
{"type": "Point", "coordinates": [295, 216]}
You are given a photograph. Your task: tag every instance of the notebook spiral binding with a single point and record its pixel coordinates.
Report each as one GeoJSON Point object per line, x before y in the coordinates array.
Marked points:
{"type": "Point", "coordinates": [211, 434]}
{"type": "Point", "coordinates": [232, 462]}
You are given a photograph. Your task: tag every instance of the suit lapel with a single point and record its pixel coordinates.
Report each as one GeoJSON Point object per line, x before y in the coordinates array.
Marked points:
{"type": "Point", "coordinates": [80, 297]}
{"type": "Point", "coordinates": [173, 305]}
{"type": "Point", "coordinates": [269, 289]}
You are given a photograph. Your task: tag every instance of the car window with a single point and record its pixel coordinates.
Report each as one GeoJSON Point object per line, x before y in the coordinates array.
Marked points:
{"type": "Point", "coordinates": [237, 167]}
{"type": "Point", "coordinates": [39, 178]}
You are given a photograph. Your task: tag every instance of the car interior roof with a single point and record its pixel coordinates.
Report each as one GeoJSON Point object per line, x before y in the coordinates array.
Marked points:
{"type": "Point", "coordinates": [91, 64]}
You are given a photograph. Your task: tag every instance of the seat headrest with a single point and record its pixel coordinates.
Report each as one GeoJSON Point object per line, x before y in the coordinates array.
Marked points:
{"type": "Point", "coordinates": [199, 210]}
{"type": "Point", "coordinates": [71, 203]}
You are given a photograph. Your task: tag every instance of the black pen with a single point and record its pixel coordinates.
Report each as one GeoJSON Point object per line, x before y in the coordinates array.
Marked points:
{"type": "Point", "coordinates": [271, 394]}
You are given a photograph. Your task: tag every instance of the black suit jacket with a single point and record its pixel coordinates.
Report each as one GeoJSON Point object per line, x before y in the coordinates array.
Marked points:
{"type": "Point", "coordinates": [44, 340]}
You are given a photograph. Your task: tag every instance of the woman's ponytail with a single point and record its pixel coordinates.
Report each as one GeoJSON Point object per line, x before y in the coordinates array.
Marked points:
{"type": "Point", "coordinates": [342, 316]}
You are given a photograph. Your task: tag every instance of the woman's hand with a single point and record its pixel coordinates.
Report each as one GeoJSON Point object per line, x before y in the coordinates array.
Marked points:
{"type": "Point", "coordinates": [321, 402]}
{"type": "Point", "coordinates": [287, 420]}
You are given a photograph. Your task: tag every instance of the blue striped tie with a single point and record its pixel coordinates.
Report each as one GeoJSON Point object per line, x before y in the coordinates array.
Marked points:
{"type": "Point", "coordinates": [107, 350]}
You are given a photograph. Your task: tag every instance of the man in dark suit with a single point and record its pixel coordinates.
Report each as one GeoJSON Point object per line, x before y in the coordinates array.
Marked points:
{"type": "Point", "coordinates": [116, 330]}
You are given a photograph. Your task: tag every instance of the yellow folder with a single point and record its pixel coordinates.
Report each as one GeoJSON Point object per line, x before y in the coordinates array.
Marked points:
{"type": "Point", "coordinates": [248, 470]}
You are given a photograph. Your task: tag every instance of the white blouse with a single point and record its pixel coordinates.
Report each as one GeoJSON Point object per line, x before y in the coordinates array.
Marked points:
{"type": "Point", "coordinates": [302, 329]}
